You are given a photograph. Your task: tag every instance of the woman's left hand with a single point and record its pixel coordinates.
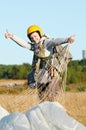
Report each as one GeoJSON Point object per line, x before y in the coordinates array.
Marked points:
{"type": "Point", "coordinates": [71, 39]}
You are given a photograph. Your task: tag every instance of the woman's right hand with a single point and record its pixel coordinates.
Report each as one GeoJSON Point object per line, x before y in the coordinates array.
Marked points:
{"type": "Point", "coordinates": [8, 34]}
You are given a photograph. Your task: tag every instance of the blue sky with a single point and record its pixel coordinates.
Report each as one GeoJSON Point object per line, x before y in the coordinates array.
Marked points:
{"type": "Point", "coordinates": [57, 18]}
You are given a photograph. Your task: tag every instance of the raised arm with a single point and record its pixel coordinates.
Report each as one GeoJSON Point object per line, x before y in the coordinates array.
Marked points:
{"type": "Point", "coordinates": [58, 41]}
{"type": "Point", "coordinates": [18, 40]}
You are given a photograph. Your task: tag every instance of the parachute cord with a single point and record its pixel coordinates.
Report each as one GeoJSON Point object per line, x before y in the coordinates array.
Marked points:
{"type": "Point", "coordinates": [65, 73]}
{"type": "Point", "coordinates": [64, 80]}
{"type": "Point", "coordinates": [62, 64]}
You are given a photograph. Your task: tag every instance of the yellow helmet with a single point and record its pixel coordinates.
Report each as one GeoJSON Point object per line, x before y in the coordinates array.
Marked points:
{"type": "Point", "coordinates": [34, 28]}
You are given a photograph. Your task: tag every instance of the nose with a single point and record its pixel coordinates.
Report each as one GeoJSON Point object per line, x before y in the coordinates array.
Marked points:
{"type": "Point", "coordinates": [33, 39]}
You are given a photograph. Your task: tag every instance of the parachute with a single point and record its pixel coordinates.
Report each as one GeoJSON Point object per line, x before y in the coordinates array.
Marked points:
{"type": "Point", "coordinates": [50, 78]}
{"type": "Point", "coordinates": [44, 116]}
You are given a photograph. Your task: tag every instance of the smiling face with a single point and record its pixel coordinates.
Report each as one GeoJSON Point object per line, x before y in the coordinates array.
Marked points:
{"type": "Point", "coordinates": [35, 37]}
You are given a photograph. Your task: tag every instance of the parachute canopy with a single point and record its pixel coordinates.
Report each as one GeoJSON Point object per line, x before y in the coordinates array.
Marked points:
{"type": "Point", "coordinates": [44, 116]}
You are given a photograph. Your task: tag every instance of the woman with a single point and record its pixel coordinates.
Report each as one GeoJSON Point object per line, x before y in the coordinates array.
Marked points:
{"type": "Point", "coordinates": [41, 45]}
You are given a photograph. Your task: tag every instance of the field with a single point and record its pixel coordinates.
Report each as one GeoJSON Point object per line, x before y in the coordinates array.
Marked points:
{"type": "Point", "coordinates": [73, 102]}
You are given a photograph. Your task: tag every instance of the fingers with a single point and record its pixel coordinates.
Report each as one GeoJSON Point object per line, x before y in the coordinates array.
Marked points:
{"type": "Point", "coordinates": [6, 30]}
{"type": "Point", "coordinates": [8, 34]}
{"type": "Point", "coordinates": [71, 39]}
{"type": "Point", "coordinates": [73, 36]}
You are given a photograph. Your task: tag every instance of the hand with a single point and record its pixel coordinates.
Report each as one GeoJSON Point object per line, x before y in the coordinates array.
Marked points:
{"type": "Point", "coordinates": [8, 35]}
{"type": "Point", "coordinates": [71, 39]}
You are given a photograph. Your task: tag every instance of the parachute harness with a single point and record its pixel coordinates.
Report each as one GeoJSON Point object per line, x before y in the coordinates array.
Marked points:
{"type": "Point", "coordinates": [56, 68]}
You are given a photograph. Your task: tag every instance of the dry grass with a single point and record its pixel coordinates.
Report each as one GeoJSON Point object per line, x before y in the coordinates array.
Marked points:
{"type": "Point", "coordinates": [20, 102]}
{"type": "Point", "coordinates": [7, 81]}
{"type": "Point", "coordinates": [73, 102]}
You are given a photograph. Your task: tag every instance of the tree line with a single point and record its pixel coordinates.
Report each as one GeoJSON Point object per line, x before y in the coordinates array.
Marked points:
{"type": "Point", "coordinates": [14, 71]}
{"type": "Point", "coordinates": [76, 72]}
